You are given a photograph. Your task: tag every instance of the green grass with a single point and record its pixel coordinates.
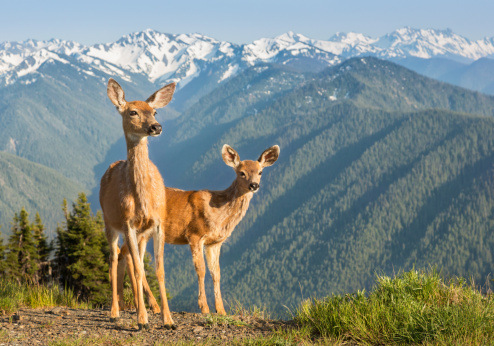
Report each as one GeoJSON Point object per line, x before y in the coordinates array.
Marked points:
{"type": "Point", "coordinates": [252, 311]}
{"type": "Point", "coordinates": [415, 307]}
{"type": "Point", "coordinates": [14, 296]}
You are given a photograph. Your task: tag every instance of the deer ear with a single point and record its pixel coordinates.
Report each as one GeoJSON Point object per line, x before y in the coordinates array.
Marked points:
{"type": "Point", "coordinates": [230, 156]}
{"type": "Point", "coordinates": [162, 97]}
{"type": "Point", "coordinates": [269, 156]}
{"type": "Point", "coordinates": [115, 93]}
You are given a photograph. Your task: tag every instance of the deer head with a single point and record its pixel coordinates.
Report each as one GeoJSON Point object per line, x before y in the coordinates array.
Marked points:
{"type": "Point", "coordinates": [249, 172]}
{"type": "Point", "coordinates": [138, 117]}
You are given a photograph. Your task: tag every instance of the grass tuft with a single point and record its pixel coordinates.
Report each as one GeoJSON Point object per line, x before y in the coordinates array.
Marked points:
{"type": "Point", "coordinates": [412, 308]}
{"type": "Point", "coordinates": [218, 320]}
{"type": "Point", "coordinates": [14, 296]}
{"type": "Point", "coordinates": [253, 311]}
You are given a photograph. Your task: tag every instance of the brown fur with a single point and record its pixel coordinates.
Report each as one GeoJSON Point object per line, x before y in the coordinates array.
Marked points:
{"type": "Point", "coordinates": [132, 195]}
{"type": "Point", "coordinates": [206, 219]}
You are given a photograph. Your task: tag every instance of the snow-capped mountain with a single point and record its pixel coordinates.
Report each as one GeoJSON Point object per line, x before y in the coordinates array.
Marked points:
{"type": "Point", "coordinates": [427, 44]}
{"type": "Point", "coordinates": [181, 58]}
{"type": "Point", "coordinates": [163, 56]}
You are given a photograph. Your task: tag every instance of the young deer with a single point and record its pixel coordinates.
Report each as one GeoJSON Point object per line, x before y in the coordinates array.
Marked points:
{"type": "Point", "coordinates": [132, 196]}
{"type": "Point", "coordinates": [206, 219]}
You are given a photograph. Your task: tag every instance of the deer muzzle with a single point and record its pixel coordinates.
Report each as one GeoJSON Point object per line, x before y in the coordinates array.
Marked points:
{"type": "Point", "coordinates": [254, 187]}
{"type": "Point", "coordinates": [155, 130]}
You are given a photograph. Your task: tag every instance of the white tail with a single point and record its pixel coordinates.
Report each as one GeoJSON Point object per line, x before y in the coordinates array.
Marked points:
{"type": "Point", "coordinates": [206, 219]}
{"type": "Point", "coordinates": [132, 195]}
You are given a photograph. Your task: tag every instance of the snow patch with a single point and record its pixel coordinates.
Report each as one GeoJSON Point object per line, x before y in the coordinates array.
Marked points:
{"type": "Point", "coordinates": [232, 70]}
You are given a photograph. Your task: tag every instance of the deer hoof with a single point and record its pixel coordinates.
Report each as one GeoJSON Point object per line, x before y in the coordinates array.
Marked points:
{"type": "Point", "coordinates": [113, 319]}
{"type": "Point", "coordinates": [171, 326]}
{"type": "Point", "coordinates": [143, 326]}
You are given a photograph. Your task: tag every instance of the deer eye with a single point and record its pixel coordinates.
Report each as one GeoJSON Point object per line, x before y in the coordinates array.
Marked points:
{"type": "Point", "coordinates": [132, 113]}
{"type": "Point", "coordinates": [260, 172]}
{"type": "Point", "coordinates": [242, 174]}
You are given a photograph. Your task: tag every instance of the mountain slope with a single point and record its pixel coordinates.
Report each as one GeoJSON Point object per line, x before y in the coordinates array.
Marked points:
{"type": "Point", "coordinates": [34, 187]}
{"type": "Point", "coordinates": [476, 76]}
{"type": "Point", "coordinates": [375, 177]}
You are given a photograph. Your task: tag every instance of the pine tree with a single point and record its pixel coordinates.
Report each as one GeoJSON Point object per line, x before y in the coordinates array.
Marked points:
{"type": "Point", "coordinates": [82, 253]}
{"type": "Point", "coordinates": [61, 261]}
{"type": "Point", "coordinates": [2, 256]}
{"type": "Point", "coordinates": [43, 248]}
{"type": "Point", "coordinates": [22, 257]}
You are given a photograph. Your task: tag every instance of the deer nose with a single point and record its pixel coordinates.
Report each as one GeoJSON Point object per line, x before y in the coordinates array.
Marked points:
{"type": "Point", "coordinates": [254, 187]}
{"type": "Point", "coordinates": [154, 130]}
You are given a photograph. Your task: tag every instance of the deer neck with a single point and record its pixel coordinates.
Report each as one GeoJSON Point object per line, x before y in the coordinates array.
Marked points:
{"type": "Point", "coordinates": [235, 203]}
{"type": "Point", "coordinates": [138, 170]}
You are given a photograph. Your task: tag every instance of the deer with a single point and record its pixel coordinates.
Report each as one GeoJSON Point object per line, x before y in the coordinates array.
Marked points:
{"type": "Point", "coordinates": [205, 219]}
{"type": "Point", "coordinates": [132, 197]}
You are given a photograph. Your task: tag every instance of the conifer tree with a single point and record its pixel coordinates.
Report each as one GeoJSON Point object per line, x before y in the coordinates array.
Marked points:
{"type": "Point", "coordinates": [82, 253]}
{"type": "Point", "coordinates": [2, 256]}
{"type": "Point", "coordinates": [22, 256]}
{"type": "Point", "coordinates": [61, 260]}
{"type": "Point", "coordinates": [43, 248]}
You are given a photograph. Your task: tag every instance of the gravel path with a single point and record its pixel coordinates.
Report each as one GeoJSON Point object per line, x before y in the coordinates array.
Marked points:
{"type": "Point", "coordinates": [60, 326]}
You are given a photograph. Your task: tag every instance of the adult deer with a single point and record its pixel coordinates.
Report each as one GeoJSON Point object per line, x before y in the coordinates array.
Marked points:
{"type": "Point", "coordinates": [132, 196]}
{"type": "Point", "coordinates": [206, 219]}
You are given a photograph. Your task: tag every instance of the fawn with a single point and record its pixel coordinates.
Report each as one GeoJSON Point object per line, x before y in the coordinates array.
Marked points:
{"type": "Point", "coordinates": [206, 218]}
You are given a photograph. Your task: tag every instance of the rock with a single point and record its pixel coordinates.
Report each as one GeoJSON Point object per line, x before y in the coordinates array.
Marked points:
{"type": "Point", "coordinates": [197, 330]}
{"type": "Point", "coordinates": [55, 311]}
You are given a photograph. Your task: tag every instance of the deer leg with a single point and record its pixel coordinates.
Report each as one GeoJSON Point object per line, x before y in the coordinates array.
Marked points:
{"type": "Point", "coordinates": [132, 277]}
{"type": "Point", "coordinates": [113, 241]}
{"type": "Point", "coordinates": [145, 286]}
{"type": "Point", "coordinates": [122, 265]}
{"type": "Point", "coordinates": [159, 244]}
{"type": "Point", "coordinates": [131, 239]}
{"type": "Point", "coordinates": [198, 259]}
{"type": "Point", "coordinates": [125, 262]}
{"type": "Point", "coordinates": [213, 259]}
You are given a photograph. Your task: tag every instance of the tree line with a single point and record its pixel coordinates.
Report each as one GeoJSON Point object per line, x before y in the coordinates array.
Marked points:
{"type": "Point", "coordinates": [76, 259]}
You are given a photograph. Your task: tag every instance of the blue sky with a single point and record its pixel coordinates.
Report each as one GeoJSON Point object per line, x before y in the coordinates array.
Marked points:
{"type": "Point", "coordinates": [89, 21]}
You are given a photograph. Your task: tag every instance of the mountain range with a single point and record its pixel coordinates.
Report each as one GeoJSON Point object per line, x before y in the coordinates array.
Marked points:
{"type": "Point", "coordinates": [187, 57]}
{"type": "Point", "coordinates": [381, 168]}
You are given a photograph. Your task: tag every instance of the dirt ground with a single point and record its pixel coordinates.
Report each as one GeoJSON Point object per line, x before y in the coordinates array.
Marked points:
{"type": "Point", "coordinates": [61, 326]}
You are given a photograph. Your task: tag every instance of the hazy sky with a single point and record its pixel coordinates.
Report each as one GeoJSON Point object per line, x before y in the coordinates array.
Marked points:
{"type": "Point", "coordinates": [89, 21]}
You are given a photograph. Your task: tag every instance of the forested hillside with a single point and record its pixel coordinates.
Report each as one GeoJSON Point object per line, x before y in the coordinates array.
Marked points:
{"type": "Point", "coordinates": [478, 75]}
{"type": "Point", "coordinates": [380, 169]}
{"type": "Point", "coordinates": [34, 187]}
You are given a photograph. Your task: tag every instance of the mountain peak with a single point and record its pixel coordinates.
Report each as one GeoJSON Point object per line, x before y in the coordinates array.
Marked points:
{"type": "Point", "coordinates": [351, 38]}
{"type": "Point", "coordinates": [292, 37]}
